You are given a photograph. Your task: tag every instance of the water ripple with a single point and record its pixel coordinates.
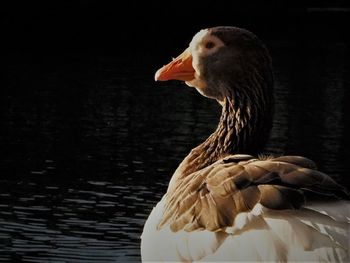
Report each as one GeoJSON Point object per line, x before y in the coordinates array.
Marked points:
{"type": "Point", "coordinates": [90, 148]}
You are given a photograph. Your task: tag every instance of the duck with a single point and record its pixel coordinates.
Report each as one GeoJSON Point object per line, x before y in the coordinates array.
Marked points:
{"type": "Point", "coordinates": [228, 202]}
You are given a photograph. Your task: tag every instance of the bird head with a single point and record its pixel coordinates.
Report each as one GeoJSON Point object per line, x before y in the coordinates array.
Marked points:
{"type": "Point", "coordinates": [222, 61]}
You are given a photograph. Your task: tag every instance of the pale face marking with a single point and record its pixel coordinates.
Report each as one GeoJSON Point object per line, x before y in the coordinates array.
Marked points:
{"type": "Point", "coordinates": [203, 44]}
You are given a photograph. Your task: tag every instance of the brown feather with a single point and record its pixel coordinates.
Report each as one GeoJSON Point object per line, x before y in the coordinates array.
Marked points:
{"type": "Point", "coordinates": [211, 198]}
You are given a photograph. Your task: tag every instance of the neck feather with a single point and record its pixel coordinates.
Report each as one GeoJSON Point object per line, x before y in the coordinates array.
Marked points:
{"type": "Point", "coordinates": [244, 127]}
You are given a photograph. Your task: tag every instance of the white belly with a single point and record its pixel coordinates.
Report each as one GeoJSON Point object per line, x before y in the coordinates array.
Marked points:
{"type": "Point", "coordinates": [284, 235]}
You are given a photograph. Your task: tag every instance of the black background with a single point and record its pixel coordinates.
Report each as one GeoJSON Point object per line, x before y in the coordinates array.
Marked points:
{"type": "Point", "coordinates": [89, 140]}
{"type": "Point", "coordinates": [146, 25]}
{"type": "Point", "coordinates": [40, 37]}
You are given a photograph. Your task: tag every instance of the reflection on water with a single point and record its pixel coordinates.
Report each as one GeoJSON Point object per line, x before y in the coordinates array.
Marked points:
{"type": "Point", "coordinates": [89, 144]}
{"type": "Point", "coordinates": [90, 221]}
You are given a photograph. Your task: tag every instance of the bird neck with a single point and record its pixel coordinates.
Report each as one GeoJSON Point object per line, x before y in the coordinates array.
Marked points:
{"type": "Point", "coordinates": [244, 128]}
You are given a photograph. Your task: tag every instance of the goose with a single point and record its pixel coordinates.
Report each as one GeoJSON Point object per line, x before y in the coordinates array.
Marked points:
{"type": "Point", "coordinates": [225, 202]}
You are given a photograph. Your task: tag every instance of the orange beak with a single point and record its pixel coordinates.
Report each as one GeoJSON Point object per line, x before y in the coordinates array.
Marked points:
{"type": "Point", "coordinates": [180, 68]}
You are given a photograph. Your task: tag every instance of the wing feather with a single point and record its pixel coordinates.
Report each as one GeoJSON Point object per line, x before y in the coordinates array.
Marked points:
{"type": "Point", "coordinates": [211, 198]}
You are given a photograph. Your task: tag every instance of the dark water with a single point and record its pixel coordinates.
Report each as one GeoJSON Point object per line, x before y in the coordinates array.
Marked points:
{"type": "Point", "coordinates": [89, 142]}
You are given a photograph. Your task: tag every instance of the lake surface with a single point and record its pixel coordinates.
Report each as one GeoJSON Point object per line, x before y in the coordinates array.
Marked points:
{"type": "Point", "coordinates": [89, 142]}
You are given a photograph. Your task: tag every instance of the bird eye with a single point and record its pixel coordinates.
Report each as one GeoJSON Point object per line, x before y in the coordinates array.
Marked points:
{"type": "Point", "coordinates": [209, 44]}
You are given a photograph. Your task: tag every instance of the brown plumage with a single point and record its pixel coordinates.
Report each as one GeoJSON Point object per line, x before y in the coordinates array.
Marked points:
{"type": "Point", "coordinates": [212, 197]}
{"type": "Point", "coordinates": [220, 191]}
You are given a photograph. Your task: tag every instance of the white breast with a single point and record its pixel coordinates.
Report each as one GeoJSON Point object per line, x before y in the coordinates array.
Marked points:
{"type": "Point", "coordinates": [318, 233]}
